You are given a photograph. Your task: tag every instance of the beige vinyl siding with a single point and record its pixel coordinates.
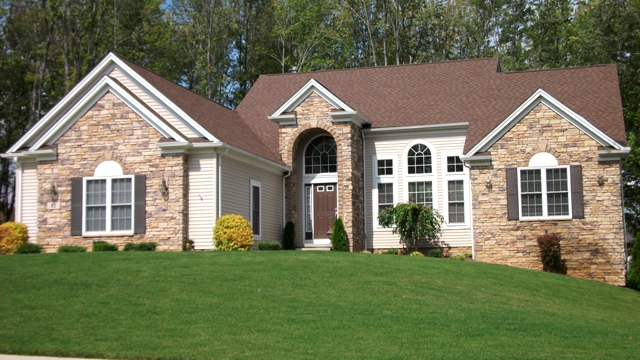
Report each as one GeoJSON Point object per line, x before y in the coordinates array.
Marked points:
{"type": "Point", "coordinates": [236, 183]}
{"type": "Point", "coordinates": [393, 145]}
{"type": "Point", "coordinates": [29, 199]}
{"type": "Point", "coordinates": [202, 199]}
{"type": "Point", "coordinates": [168, 116]}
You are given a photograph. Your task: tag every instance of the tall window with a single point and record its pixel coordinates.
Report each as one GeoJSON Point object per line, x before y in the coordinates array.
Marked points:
{"type": "Point", "coordinates": [384, 184]}
{"type": "Point", "coordinates": [320, 156]}
{"type": "Point", "coordinates": [421, 192]}
{"type": "Point", "coordinates": [455, 190]}
{"type": "Point", "coordinates": [455, 194]}
{"type": "Point", "coordinates": [420, 178]}
{"type": "Point", "coordinates": [109, 204]}
{"type": "Point", "coordinates": [255, 208]}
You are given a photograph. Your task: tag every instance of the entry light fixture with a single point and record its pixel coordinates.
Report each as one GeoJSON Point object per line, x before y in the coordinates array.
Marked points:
{"type": "Point", "coordinates": [600, 179]}
{"type": "Point", "coordinates": [53, 193]}
{"type": "Point", "coordinates": [164, 190]}
{"type": "Point", "coordinates": [488, 183]}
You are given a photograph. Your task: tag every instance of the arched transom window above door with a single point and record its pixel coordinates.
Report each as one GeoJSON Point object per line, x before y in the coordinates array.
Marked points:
{"type": "Point", "coordinates": [419, 160]}
{"type": "Point", "coordinates": [320, 156]}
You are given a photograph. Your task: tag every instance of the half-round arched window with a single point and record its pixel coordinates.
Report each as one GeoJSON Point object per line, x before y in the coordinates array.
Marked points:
{"type": "Point", "coordinates": [320, 156]}
{"type": "Point", "coordinates": [419, 160]}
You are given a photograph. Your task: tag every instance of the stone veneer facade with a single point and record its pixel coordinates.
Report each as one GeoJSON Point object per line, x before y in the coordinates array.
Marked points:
{"type": "Point", "coordinates": [593, 247]}
{"type": "Point", "coordinates": [111, 130]}
{"type": "Point", "coordinates": [313, 118]}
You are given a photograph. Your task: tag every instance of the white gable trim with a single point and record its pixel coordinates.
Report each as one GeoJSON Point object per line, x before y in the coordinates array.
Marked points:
{"type": "Point", "coordinates": [310, 87]}
{"type": "Point", "coordinates": [541, 96]}
{"type": "Point", "coordinates": [178, 112]}
{"type": "Point", "coordinates": [89, 99]}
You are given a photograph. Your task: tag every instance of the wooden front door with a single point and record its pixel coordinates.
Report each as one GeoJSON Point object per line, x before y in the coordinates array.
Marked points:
{"type": "Point", "coordinates": [324, 209]}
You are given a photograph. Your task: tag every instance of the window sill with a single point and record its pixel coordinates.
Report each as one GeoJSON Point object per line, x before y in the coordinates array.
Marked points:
{"type": "Point", "coordinates": [114, 234]}
{"type": "Point", "coordinates": [457, 226]}
{"type": "Point", "coordinates": [555, 218]}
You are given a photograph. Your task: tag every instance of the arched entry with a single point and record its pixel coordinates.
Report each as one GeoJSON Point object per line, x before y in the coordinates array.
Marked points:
{"type": "Point", "coordinates": [320, 195]}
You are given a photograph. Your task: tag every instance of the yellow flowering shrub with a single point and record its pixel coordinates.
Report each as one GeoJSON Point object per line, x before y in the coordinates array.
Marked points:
{"type": "Point", "coordinates": [233, 232]}
{"type": "Point", "coordinates": [12, 234]}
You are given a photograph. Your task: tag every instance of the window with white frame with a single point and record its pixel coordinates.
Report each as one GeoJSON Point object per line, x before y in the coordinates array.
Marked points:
{"type": "Point", "coordinates": [455, 191]}
{"type": "Point", "coordinates": [544, 192]}
{"type": "Point", "coordinates": [384, 184]}
{"type": "Point", "coordinates": [544, 188]}
{"type": "Point", "coordinates": [256, 203]}
{"type": "Point", "coordinates": [108, 200]}
{"type": "Point", "coordinates": [420, 177]}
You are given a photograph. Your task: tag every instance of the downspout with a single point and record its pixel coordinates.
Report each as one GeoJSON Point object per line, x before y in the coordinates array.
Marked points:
{"type": "Point", "coordinates": [473, 242]}
{"type": "Point", "coordinates": [17, 207]}
{"type": "Point", "coordinates": [220, 180]}
{"type": "Point", "coordinates": [364, 186]}
{"type": "Point", "coordinates": [284, 199]}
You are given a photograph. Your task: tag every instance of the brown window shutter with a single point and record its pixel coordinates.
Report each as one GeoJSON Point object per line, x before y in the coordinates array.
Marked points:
{"type": "Point", "coordinates": [577, 197]}
{"type": "Point", "coordinates": [513, 204]}
{"type": "Point", "coordinates": [76, 206]}
{"type": "Point", "coordinates": [140, 204]}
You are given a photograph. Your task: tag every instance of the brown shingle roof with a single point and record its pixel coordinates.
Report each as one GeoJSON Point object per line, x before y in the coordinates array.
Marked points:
{"type": "Point", "coordinates": [223, 123]}
{"type": "Point", "coordinates": [472, 91]}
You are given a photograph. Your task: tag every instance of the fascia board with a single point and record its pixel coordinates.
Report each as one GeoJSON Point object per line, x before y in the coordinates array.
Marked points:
{"type": "Point", "coordinates": [40, 155]}
{"type": "Point", "coordinates": [310, 87]}
{"type": "Point", "coordinates": [161, 98]}
{"type": "Point", "coordinates": [101, 69]}
{"type": "Point", "coordinates": [80, 108]}
{"type": "Point", "coordinates": [541, 96]}
{"type": "Point", "coordinates": [349, 116]}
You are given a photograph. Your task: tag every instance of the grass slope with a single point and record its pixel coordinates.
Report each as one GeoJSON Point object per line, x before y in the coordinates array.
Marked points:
{"type": "Point", "coordinates": [305, 305]}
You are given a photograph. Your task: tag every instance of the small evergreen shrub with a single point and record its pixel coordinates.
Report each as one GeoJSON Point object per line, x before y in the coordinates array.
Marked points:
{"type": "Point", "coordinates": [365, 252]}
{"type": "Point", "coordinates": [392, 251]}
{"type": "Point", "coordinates": [187, 245]}
{"type": "Point", "coordinates": [550, 253]}
{"type": "Point", "coordinates": [233, 233]}
{"type": "Point", "coordinates": [434, 253]}
{"type": "Point", "coordinates": [416, 253]}
{"type": "Point", "coordinates": [103, 246]}
{"type": "Point", "coordinates": [338, 236]}
{"type": "Point", "coordinates": [269, 245]}
{"type": "Point", "coordinates": [12, 234]}
{"type": "Point", "coordinates": [71, 249]}
{"type": "Point", "coordinates": [633, 278]}
{"type": "Point", "coordinates": [289, 236]}
{"type": "Point", "coordinates": [143, 246]}
{"type": "Point", "coordinates": [26, 248]}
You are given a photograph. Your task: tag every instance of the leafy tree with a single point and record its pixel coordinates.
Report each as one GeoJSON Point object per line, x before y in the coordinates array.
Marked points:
{"type": "Point", "coordinates": [633, 278]}
{"type": "Point", "coordinates": [414, 222]}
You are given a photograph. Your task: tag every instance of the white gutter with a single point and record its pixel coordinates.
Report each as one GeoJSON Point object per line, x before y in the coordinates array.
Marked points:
{"type": "Point", "coordinates": [460, 125]}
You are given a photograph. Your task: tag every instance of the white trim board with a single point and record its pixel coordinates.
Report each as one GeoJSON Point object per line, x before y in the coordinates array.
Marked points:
{"type": "Point", "coordinates": [310, 87]}
{"type": "Point", "coordinates": [541, 96]}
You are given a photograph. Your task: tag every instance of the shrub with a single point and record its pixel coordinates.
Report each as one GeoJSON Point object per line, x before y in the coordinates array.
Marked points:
{"type": "Point", "coordinates": [365, 252]}
{"type": "Point", "coordinates": [12, 234]}
{"type": "Point", "coordinates": [103, 246]}
{"type": "Point", "coordinates": [187, 245]}
{"type": "Point", "coordinates": [338, 236]}
{"type": "Point", "coordinates": [392, 251]}
{"type": "Point", "coordinates": [26, 248]}
{"type": "Point", "coordinates": [460, 256]}
{"type": "Point", "coordinates": [233, 232]}
{"type": "Point", "coordinates": [289, 236]}
{"type": "Point", "coordinates": [71, 249]}
{"type": "Point", "coordinates": [434, 253]}
{"type": "Point", "coordinates": [143, 246]}
{"type": "Point", "coordinates": [633, 278]}
{"type": "Point", "coordinates": [416, 253]}
{"type": "Point", "coordinates": [550, 253]}
{"type": "Point", "coordinates": [269, 245]}
{"type": "Point", "coordinates": [414, 223]}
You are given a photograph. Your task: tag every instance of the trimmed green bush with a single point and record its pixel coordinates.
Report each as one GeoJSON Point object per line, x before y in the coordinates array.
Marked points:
{"type": "Point", "coordinates": [71, 249]}
{"type": "Point", "coordinates": [392, 251]}
{"type": "Point", "coordinates": [434, 253]}
{"type": "Point", "coordinates": [338, 236]}
{"type": "Point", "coordinates": [187, 244]}
{"type": "Point", "coordinates": [103, 246]}
{"type": "Point", "coordinates": [233, 233]}
{"type": "Point", "coordinates": [12, 234]}
{"type": "Point", "coordinates": [27, 248]}
{"type": "Point", "coordinates": [550, 253]}
{"type": "Point", "coordinates": [289, 236]}
{"type": "Point", "coordinates": [143, 246]}
{"type": "Point", "coordinates": [416, 253]}
{"type": "Point", "coordinates": [269, 245]}
{"type": "Point", "coordinates": [366, 252]}
{"type": "Point", "coordinates": [633, 278]}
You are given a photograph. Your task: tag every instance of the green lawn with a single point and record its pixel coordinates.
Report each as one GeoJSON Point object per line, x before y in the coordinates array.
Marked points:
{"type": "Point", "coordinates": [292, 304]}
